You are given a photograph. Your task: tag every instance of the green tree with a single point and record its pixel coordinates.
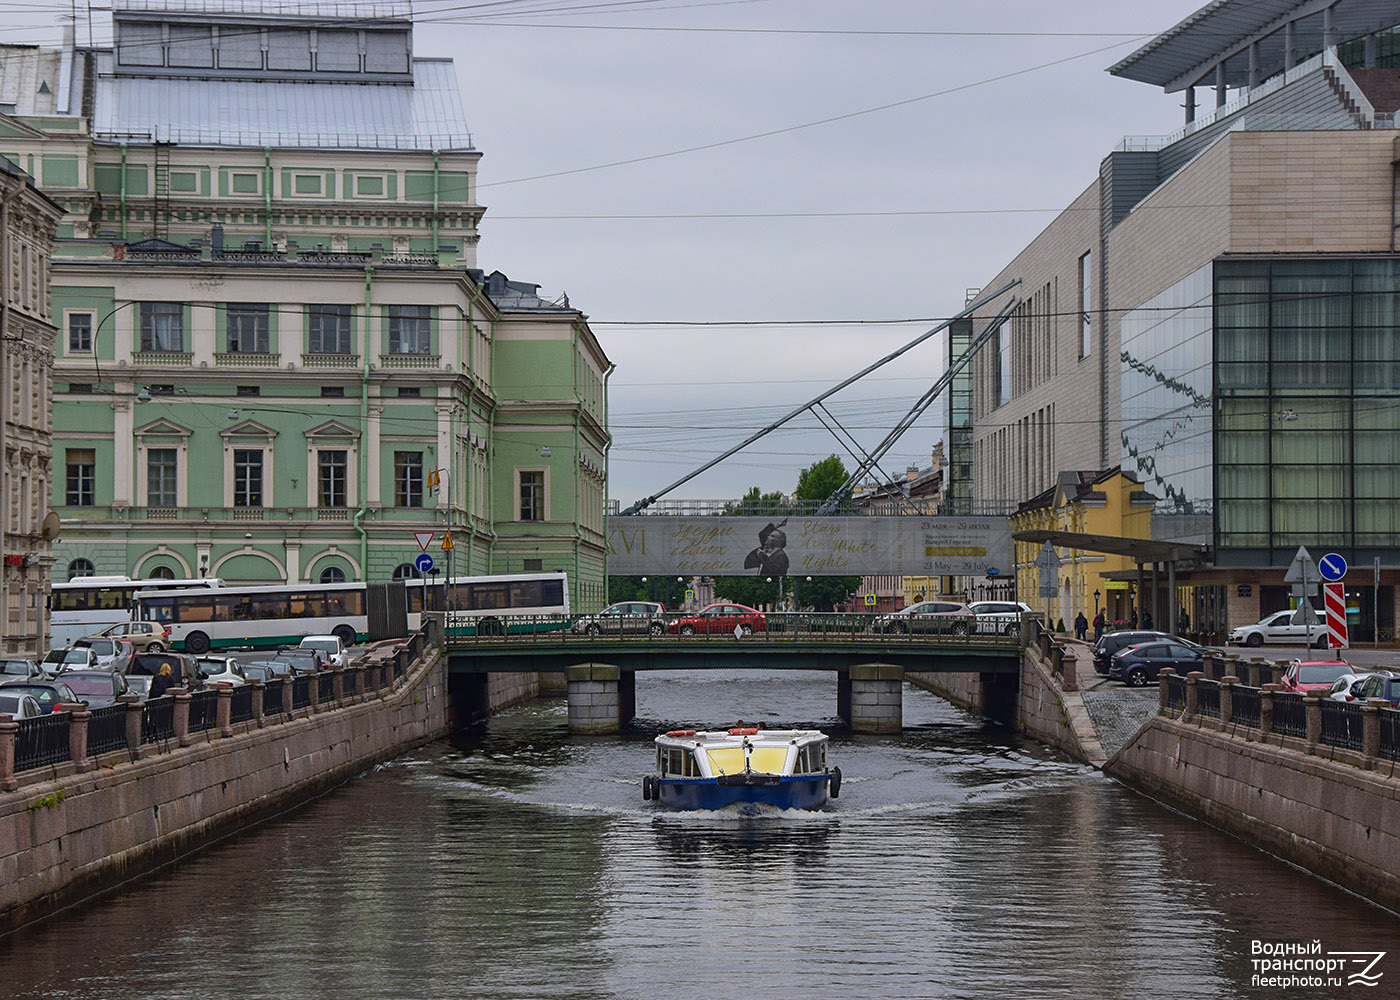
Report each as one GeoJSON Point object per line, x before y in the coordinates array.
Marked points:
{"type": "Point", "coordinates": [819, 480]}
{"type": "Point", "coordinates": [627, 588]}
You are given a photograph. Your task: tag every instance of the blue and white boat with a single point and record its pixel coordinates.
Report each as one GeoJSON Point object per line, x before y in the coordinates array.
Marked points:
{"type": "Point", "coordinates": [784, 768]}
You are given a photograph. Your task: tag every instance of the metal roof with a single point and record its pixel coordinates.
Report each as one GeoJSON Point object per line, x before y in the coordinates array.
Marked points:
{"type": "Point", "coordinates": [1222, 30]}
{"type": "Point", "coordinates": [397, 10]}
{"type": "Point", "coordinates": [1143, 550]}
{"type": "Point", "coordinates": [425, 116]}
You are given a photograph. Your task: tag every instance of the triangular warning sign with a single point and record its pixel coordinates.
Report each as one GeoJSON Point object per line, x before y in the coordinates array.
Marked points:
{"type": "Point", "coordinates": [447, 541]}
{"type": "Point", "coordinates": [423, 538]}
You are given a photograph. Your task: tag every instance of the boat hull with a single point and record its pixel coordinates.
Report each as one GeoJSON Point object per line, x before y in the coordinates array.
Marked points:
{"type": "Point", "coordinates": [803, 791]}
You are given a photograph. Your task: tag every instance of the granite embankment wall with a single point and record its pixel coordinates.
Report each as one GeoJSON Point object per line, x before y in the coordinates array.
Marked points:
{"type": "Point", "coordinates": [74, 835]}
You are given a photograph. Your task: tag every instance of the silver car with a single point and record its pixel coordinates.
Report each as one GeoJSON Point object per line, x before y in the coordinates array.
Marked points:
{"type": "Point", "coordinates": [625, 616]}
{"type": "Point", "coordinates": [927, 617]}
{"type": "Point", "coordinates": [999, 617]}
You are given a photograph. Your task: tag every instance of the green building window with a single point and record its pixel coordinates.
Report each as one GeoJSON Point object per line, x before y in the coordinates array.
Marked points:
{"type": "Point", "coordinates": [328, 329]}
{"type": "Point", "coordinates": [410, 330]}
{"type": "Point", "coordinates": [82, 473]}
{"type": "Point", "coordinates": [163, 327]}
{"type": "Point", "coordinates": [333, 574]}
{"type": "Point", "coordinates": [331, 477]}
{"type": "Point", "coordinates": [160, 477]}
{"type": "Point", "coordinates": [247, 478]}
{"type": "Point", "coordinates": [408, 479]}
{"type": "Point", "coordinates": [248, 328]}
{"type": "Point", "coordinates": [532, 496]}
{"type": "Point", "coordinates": [79, 332]}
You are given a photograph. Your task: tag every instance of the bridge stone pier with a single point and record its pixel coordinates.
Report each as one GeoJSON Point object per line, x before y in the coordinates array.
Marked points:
{"type": "Point", "coordinates": [601, 698]}
{"type": "Point", "coordinates": [870, 696]}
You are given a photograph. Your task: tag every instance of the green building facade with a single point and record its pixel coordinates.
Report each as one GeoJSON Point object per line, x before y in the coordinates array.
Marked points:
{"type": "Point", "coordinates": [277, 359]}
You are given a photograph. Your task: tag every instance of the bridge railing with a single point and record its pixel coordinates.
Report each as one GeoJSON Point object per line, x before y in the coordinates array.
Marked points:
{"type": "Point", "coordinates": [475, 628]}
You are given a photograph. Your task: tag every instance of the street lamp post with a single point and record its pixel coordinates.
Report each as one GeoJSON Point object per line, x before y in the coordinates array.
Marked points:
{"type": "Point", "coordinates": [796, 592]}
{"type": "Point", "coordinates": [770, 580]}
{"type": "Point", "coordinates": [1096, 603]}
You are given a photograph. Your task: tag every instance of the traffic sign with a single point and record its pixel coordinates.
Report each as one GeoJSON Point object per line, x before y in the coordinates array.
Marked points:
{"type": "Point", "coordinates": [423, 538]}
{"type": "Point", "coordinates": [1048, 557]}
{"type": "Point", "coordinates": [447, 541]}
{"type": "Point", "coordinates": [1302, 569]}
{"type": "Point", "coordinates": [690, 595]}
{"type": "Point", "coordinates": [869, 600]}
{"type": "Point", "coordinates": [1049, 582]}
{"type": "Point", "coordinates": [1335, 600]}
{"type": "Point", "coordinates": [1332, 567]}
{"type": "Point", "coordinates": [423, 563]}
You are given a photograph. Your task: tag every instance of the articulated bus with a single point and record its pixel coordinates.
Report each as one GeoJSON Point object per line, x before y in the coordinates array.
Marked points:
{"type": "Point", "coordinates": [279, 615]}
{"type": "Point", "coordinates": [85, 605]}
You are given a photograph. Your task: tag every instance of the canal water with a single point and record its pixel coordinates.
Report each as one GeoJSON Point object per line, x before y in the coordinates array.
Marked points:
{"type": "Point", "coordinates": [519, 862]}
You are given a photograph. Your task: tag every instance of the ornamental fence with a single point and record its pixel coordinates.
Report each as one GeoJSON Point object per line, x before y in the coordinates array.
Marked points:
{"type": "Point", "coordinates": [176, 719]}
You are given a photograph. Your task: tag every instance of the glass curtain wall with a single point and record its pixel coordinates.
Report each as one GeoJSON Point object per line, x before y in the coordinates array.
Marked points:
{"type": "Point", "coordinates": [1308, 409]}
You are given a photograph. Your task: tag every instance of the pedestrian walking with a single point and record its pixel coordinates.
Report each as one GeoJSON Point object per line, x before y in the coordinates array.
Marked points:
{"type": "Point", "coordinates": [163, 681]}
{"type": "Point", "coordinates": [1099, 623]}
{"type": "Point", "coordinates": [1081, 627]}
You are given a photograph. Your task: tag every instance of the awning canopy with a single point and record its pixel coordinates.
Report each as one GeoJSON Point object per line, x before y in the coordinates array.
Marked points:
{"type": "Point", "coordinates": [1141, 550]}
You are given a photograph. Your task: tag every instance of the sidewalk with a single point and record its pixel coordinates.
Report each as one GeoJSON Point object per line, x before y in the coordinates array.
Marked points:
{"type": "Point", "coordinates": [1116, 710]}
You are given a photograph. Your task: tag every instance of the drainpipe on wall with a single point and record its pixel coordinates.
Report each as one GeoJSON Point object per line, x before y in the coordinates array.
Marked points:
{"type": "Point", "coordinates": [122, 190]}
{"type": "Point", "coordinates": [267, 193]}
{"type": "Point", "coordinates": [6, 333]}
{"type": "Point", "coordinates": [361, 467]}
{"type": "Point", "coordinates": [437, 158]}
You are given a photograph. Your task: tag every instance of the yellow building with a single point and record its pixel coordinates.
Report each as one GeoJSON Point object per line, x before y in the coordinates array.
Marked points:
{"type": "Point", "coordinates": [1106, 503]}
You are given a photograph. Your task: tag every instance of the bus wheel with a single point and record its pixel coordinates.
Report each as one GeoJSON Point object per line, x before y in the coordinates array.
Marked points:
{"type": "Point", "coordinates": [197, 643]}
{"type": "Point", "coordinates": [345, 634]}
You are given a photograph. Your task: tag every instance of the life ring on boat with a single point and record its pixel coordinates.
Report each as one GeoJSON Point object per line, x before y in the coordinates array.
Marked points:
{"type": "Point", "coordinates": [743, 732]}
{"type": "Point", "coordinates": [835, 782]}
{"type": "Point", "coordinates": [681, 732]}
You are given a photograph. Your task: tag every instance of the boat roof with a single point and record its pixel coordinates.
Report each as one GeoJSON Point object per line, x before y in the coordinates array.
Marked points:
{"type": "Point", "coordinates": [724, 737]}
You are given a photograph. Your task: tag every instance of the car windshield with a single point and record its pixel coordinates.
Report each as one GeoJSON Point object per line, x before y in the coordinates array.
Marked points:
{"type": "Point", "coordinates": [75, 656]}
{"type": "Point", "coordinates": [90, 685]}
{"type": "Point", "coordinates": [20, 668]}
{"type": "Point", "coordinates": [102, 647]}
{"type": "Point", "coordinates": [1321, 673]}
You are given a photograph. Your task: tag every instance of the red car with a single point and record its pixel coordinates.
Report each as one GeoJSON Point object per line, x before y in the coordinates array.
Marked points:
{"type": "Point", "coordinates": [719, 619]}
{"type": "Point", "coordinates": [1314, 675]}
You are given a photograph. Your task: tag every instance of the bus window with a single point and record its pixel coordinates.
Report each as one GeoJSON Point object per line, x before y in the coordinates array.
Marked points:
{"type": "Point", "coordinates": [196, 609]}
{"type": "Point", "coordinates": [486, 597]}
{"type": "Point", "coordinates": [525, 594]}
{"type": "Point", "coordinates": [553, 592]}
{"type": "Point", "coordinates": [159, 609]}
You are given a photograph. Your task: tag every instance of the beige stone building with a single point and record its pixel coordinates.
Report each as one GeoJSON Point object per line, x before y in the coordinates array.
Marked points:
{"type": "Point", "coordinates": [27, 221]}
{"type": "Point", "coordinates": [1218, 313]}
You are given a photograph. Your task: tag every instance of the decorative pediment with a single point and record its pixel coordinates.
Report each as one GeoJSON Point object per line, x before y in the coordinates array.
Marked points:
{"type": "Point", "coordinates": [248, 428]}
{"type": "Point", "coordinates": [332, 429]}
{"type": "Point", "coordinates": [162, 428]}
{"type": "Point", "coordinates": [154, 244]}
{"type": "Point", "coordinates": [14, 126]}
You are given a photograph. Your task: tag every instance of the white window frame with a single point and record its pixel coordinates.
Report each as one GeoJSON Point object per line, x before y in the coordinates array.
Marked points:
{"type": "Point", "coordinates": [383, 194]}
{"type": "Point", "coordinates": [197, 190]}
{"type": "Point", "coordinates": [515, 499]}
{"type": "Point", "coordinates": [235, 172]}
{"type": "Point", "coordinates": [91, 314]}
{"type": "Point", "coordinates": [297, 175]}
{"type": "Point", "coordinates": [331, 439]}
{"type": "Point", "coordinates": [144, 443]}
{"type": "Point", "coordinates": [253, 438]}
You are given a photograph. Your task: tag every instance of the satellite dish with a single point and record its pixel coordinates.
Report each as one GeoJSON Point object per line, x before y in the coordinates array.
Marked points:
{"type": "Point", "coordinates": [50, 527]}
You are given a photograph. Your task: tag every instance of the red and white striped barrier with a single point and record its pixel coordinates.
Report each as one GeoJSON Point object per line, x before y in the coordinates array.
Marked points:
{"type": "Point", "coordinates": [1335, 601]}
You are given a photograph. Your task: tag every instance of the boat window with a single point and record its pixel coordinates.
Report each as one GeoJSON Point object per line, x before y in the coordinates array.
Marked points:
{"type": "Point", "coordinates": [800, 767]}
{"type": "Point", "coordinates": [768, 760]}
{"type": "Point", "coordinates": [726, 760]}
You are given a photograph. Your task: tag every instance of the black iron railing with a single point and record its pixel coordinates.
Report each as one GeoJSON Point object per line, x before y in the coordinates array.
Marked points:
{"type": "Point", "coordinates": [1341, 724]}
{"type": "Point", "coordinates": [272, 696]}
{"type": "Point", "coordinates": [301, 691]}
{"type": "Point", "coordinates": [158, 720]}
{"type": "Point", "coordinates": [107, 729]}
{"type": "Point", "coordinates": [204, 710]}
{"type": "Point", "coordinates": [42, 741]}
{"type": "Point", "coordinates": [241, 704]}
{"type": "Point", "coordinates": [1390, 733]}
{"type": "Point", "coordinates": [1290, 715]}
{"type": "Point", "coordinates": [1244, 706]}
{"type": "Point", "coordinates": [1207, 697]}
{"type": "Point", "coordinates": [327, 690]}
{"type": "Point", "coordinates": [1176, 695]}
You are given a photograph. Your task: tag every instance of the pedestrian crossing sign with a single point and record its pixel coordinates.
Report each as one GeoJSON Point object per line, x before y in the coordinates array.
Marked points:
{"type": "Point", "coordinates": [869, 600]}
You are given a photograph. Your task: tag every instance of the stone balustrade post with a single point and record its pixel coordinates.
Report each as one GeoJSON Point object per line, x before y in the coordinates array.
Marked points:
{"type": "Point", "coordinates": [9, 732]}
{"type": "Point", "coordinates": [313, 689]}
{"type": "Point", "coordinates": [338, 684]}
{"type": "Point", "coordinates": [1312, 706]}
{"type": "Point", "coordinates": [1371, 730]}
{"type": "Point", "coordinates": [258, 695]}
{"type": "Point", "coordinates": [224, 717]}
{"type": "Point", "coordinates": [180, 718]}
{"type": "Point", "coordinates": [133, 721]}
{"type": "Point", "coordinates": [288, 685]}
{"type": "Point", "coordinates": [1277, 668]}
{"type": "Point", "coordinates": [1069, 668]}
{"type": "Point", "coordinates": [1210, 663]}
{"type": "Point", "coordinates": [1192, 694]}
{"type": "Point", "coordinates": [1266, 709]}
{"type": "Point", "coordinates": [1164, 698]}
{"type": "Point", "coordinates": [77, 739]}
{"type": "Point", "coordinates": [1227, 699]}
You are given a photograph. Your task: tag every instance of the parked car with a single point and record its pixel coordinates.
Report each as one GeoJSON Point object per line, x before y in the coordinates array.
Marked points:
{"type": "Point", "coordinates": [19, 706]}
{"type": "Point", "coordinates": [147, 637]}
{"type": "Point", "coordinates": [1385, 686]}
{"type": "Point", "coordinates": [277, 668]}
{"type": "Point", "coordinates": [221, 670]}
{"type": "Point", "coordinates": [112, 654]}
{"type": "Point", "coordinates": [258, 672]}
{"type": "Point", "coordinates": [302, 661]}
{"type": "Point", "coordinates": [26, 669]}
{"type": "Point", "coordinates": [625, 616]}
{"type": "Point", "coordinates": [719, 619]}
{"type": "Point", "coordinates": [139, 685]}
{"type": "Point", "coordinates": [1139, 665]}
{"type": "Point", "coordinates": [1314, 675]}
{"type": "Point", "coordinates": [52, 696]}
{"type": "Point", "coordinates": [1111, 642]}
{"type": "Point", "coordinates": [1347, 687]}
{"type": "Point", "coordinates": [930, 617]}
{"type": "Point", "coordinates": [1281, 626]}
{"type": "Point", "coordinates": [335, 651]}
{"type": "Point", "coordinates": [999, 617]}
{"type": "Point", "coordinates": [182, 668]}
{"type": "Point", "coordinates": [99, 688]}
{"type": "Point", "coordinates": [73, 658]}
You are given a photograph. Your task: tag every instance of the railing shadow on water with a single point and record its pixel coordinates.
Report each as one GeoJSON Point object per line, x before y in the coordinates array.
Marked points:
{"type": "Point", "coordinates": [487, 627]}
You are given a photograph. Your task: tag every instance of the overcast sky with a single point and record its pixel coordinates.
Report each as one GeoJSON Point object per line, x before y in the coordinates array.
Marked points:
{"type": "Point", "coordinates": [975, 124]}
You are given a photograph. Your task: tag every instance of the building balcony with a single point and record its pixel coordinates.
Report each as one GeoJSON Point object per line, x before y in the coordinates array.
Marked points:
{"type": "Point", "coordinates": [322, 360]}
{"type": "Point", "coordinates": [168, 359]}
{"type": "Point", "coordinates": [240, 359]}
{"type": "Point", "coordinates": [409, 360]}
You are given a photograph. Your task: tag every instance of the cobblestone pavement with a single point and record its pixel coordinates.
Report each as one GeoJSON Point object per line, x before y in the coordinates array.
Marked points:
{"type": "Point", "coordinates": [1118, 711]}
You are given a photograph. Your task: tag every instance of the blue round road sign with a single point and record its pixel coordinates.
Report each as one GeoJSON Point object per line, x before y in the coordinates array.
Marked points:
{"type": "Point", "coordinates": [1332, 567]}
{"type": "Point", "coordinates": [424, 563]}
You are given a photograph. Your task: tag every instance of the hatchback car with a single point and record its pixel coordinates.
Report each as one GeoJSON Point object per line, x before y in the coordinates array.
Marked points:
{"type": "Point", "coordinates": [99, 688]}
{"type": "Point", "coordinates": [1314, 675]}
{"type": "Point", "coordinates": [1138, 666]}
{"type": "Point", "coordinates": [330, 645]}
{"type": "Point", "coordinates": [1347, 687]}
{"type": "Point", "coordinates": [999, 617]}
{"type": "Point", "coordinates": [1111, 642]}
{"type": "Point", "coordinates": [52, 696]}
{"type": "Point", "coordinates": [719, 619]}
{"type": "Point", "coordinates": [112, 654]}
{"type": "Point", "coordinates": [19, 706]}
{"type": "Point", "coordinates": [626, 616]}
{"type": "Point", "coordinates": [1385, 686]}
{"type": "Point", "coordinates": [221, 670]}
{"type": "Point", "coordinates": [182, 668]}
{"type": "Point", "coordinates": [927, 617]}
{"type": "Point", "coordinates": [73, 658]}
{"type": "Point", "coordinates": [147, 637]}
{"type": "Point", "coordinates": [23, 669]}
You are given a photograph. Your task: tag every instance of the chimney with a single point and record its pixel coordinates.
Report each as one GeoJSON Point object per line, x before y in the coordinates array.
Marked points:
{"type": "Point", "coordinates": [216, 238]}
{"type": "Point", "coordinates": [911, 473]}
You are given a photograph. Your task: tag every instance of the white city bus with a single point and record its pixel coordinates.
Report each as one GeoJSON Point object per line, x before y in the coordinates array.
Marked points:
{"type": "Point", "coordinates": [266, 616]}
{"type": "Point", "coordinates": [85, 605]}
{"type": "Point", "coordinates": [494, 605]}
